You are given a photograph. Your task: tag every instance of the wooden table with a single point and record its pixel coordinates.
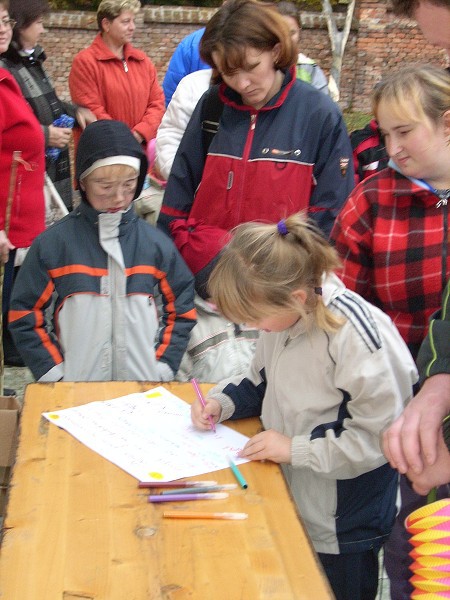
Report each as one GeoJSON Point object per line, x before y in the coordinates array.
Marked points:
{"type": "Point", "coordinates": [78, 528]}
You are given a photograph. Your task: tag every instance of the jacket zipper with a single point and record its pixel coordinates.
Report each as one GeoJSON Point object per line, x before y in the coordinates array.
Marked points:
{"type": "Point", "coordinates": [443, 202]}
{"type": "Point", "coordinates": [245, 155]}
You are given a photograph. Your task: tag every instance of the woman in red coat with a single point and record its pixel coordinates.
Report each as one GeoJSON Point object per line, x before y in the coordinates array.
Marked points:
{"type": "Point", "coordinates": [19, 131]}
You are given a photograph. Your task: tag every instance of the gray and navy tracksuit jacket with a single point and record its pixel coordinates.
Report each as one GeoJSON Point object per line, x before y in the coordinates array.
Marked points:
{"type": "Point", "coordinates": [332, 394]}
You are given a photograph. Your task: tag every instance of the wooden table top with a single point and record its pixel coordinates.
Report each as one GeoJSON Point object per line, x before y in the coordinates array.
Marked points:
{"type": "Point", "coordinates": [78, 528]}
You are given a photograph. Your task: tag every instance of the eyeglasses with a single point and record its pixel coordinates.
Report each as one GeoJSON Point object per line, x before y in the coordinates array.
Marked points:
{"type": "Point", "coordinates": [7, 22]}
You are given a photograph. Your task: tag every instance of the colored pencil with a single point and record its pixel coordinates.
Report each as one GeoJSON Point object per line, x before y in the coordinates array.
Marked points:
{"type": "Point", "coordinates": [184, 497]}
{"type": "Point", "coordinates": [201, 398]}
{"type": "Point", "coordinates": [175, 514]}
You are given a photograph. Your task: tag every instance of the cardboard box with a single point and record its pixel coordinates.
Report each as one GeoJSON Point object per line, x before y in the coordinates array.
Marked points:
{"type": "Point", "coordinates": [9, 424]}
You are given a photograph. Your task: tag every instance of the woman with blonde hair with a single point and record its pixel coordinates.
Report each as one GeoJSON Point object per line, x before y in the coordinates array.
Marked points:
{"type": "Point", "coordinates": [329, 373]}
{"type": "Point", "coordinates": [392, 234]}
{"type": "Point", "coordinates": [114, 79]}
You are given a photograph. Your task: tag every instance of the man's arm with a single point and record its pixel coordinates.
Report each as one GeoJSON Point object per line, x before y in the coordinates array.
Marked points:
{"type": "Point", "coordinates": [411, 443]}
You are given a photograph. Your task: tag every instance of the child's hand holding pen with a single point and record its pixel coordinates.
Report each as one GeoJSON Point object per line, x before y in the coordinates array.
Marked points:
{"type": "Point", "coordinates": [268, 445]}
{"type": "Point", "coordinates": [201, 415]}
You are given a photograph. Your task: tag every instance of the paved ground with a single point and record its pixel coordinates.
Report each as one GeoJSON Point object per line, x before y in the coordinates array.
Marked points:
{"type": "Point", "coordinates": [17, 378]}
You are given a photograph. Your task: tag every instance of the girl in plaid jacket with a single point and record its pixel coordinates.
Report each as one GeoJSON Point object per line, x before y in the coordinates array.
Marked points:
{"type": "Point", "coordinates": [392, 234]}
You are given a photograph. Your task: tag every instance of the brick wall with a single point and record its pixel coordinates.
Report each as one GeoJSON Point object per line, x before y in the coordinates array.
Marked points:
{"type": "Point", "coordinates": [378, 42]}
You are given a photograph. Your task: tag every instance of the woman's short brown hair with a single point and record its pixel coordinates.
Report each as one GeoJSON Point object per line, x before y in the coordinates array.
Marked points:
{"type": "Point", "coordinates": [25, 13]}
{"type": "Point", "coordinates": [111, 9]}
{"type": "Point", "coordinates": [240, 24]}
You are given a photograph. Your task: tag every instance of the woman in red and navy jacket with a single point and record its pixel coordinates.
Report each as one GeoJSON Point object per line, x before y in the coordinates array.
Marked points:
{"type": "Point", "coordinates": [281, 146]}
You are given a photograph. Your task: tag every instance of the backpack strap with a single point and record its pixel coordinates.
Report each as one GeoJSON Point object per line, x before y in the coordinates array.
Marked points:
{"type": "Point", "coordinates": [211, 112]}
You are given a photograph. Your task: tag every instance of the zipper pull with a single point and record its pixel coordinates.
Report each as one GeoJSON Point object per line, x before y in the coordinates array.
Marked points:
{"type": "Point", "coordinates": [252, 121]}
{"type": "Point", "coordinates": [125, 66]}
{"type": "Point", "coordinates": [442, 202]}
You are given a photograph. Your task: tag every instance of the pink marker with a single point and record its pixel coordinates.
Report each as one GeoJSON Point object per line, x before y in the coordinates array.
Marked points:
{"type": "Point", "coordinates": [202, 402]}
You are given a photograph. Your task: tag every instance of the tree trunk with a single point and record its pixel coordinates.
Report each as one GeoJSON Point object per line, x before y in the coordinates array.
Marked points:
{"type": "Point", "coordinates": [338, 41]}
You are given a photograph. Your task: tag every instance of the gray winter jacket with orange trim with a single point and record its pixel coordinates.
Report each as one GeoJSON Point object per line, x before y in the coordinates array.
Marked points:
{"type": "Point", "coordinates": [97, 273]}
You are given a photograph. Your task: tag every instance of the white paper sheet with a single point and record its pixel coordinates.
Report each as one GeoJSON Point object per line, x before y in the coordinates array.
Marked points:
{"type": "Point", "coordinates": [150, 435]}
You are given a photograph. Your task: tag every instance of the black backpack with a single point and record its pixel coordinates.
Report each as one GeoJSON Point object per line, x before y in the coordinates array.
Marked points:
{"type": "Point", "coordinates": [369, 152]}
{"type": "Point", "coordinates": [210, 116]}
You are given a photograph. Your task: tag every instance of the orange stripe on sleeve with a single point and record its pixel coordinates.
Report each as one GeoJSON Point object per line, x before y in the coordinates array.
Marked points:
{"type": "Point", "coordinates": [191, 314]}
{"type": "Point", "coordinates": [15, 315]}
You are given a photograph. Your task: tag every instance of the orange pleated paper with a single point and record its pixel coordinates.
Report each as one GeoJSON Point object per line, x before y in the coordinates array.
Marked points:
{"type": "Point", "coordinates": [429, 527]}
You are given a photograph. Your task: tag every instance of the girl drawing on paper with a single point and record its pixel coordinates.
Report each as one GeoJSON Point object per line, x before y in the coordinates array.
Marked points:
{"type": "Point", "coordinates": [329, 374]}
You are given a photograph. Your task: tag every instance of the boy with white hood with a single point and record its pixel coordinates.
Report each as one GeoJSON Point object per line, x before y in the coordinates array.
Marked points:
{"type": "Point", "coordinates": [96, 271]}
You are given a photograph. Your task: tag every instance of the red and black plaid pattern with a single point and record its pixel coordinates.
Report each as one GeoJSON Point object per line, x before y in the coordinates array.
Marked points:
{"type": "Point", "coordinates": [392, 238]}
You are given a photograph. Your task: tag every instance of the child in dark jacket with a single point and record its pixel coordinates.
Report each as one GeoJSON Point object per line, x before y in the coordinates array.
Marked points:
{"type": "Point", "coordinates": [96, 272]}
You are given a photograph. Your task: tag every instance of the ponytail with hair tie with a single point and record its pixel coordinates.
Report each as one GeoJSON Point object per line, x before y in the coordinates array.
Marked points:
{"type": "Point", "coordinates": [282, 228]}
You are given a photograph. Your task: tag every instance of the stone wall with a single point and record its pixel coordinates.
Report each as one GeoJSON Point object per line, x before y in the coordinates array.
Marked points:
{"type": "Point", "coordinates": [378, 42]}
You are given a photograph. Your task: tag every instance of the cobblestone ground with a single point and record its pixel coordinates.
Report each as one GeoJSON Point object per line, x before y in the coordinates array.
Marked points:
{"type": "Point", "coordinates": [17, 378]}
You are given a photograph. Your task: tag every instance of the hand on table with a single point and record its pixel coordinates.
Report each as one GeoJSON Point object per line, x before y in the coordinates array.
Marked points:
{"type": "Point", "coordinates": [268, 445]}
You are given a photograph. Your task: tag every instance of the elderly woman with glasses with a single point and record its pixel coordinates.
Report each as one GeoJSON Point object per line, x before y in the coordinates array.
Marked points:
{"type": "Point", "coordinates": [22, 179]}
{"type": "Point", "coordinates": [24, 59]}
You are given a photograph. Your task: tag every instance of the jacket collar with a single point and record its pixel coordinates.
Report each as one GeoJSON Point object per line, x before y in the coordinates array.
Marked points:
{"type": "Point", "coordinates": [410, 185]}
{"type": "Point", "coordinates": [85, 210]}
{"type": "Point", "coordinates": [102, 52]}
{"type": "Point", "coordinates": [233, 99]}
{"type": "Point", "coordinates": [15, 55]}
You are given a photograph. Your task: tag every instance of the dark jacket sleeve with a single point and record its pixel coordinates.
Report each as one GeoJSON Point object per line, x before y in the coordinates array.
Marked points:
{"type": "Point", "coordinates": [186, 173]}
{"type": "Point", "coordinates": [333, 171]}
{"type": "Point", "coordinates": [29, 324]}
{"type": "Point", "coordinates": [178, 311]}
{"type": "Point", "coordinates": [434, 354]}
{"type": "Point", "coordinates": [242, 396]}
{"type": "Point", "coordinates": [247, 398]}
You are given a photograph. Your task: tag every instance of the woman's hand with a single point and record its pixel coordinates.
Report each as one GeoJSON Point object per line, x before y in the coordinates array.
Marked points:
{"type": "Point", "coordinates": [199, 415]}
{"type": "Point", "coordinates": [84, 116]}
{"type": "Point", "coordinates": [58, 137]}
{"type": "Point", "coordinates": [268, 445]}
{"type": "Point", "coordinates": [5, 247]}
